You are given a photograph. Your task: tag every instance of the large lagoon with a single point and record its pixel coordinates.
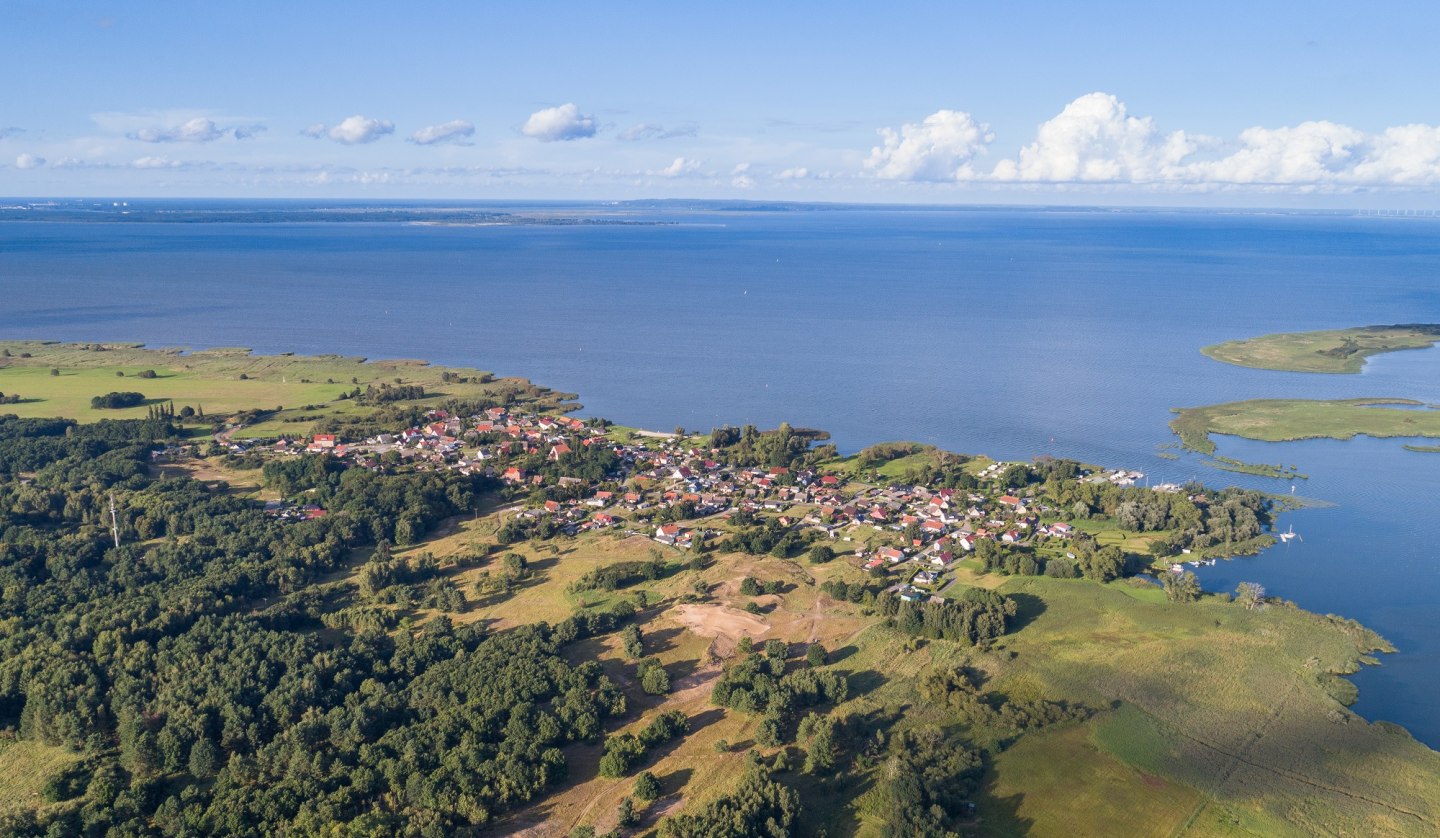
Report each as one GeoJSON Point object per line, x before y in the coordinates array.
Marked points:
{"type": "Point", "coordinates": [1013, 333]}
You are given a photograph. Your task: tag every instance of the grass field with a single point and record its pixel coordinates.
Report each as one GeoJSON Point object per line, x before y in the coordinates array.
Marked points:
{"type": "Point", "coordinates": [1229, 702]}
{"type": "Point", "coordinates": [1336, 351]}
{"type": "Point", "coordinates": [1209, 719]}
{"type": "Point", "coordinates": [1038, 788]}
{"type": "Point", "coordinates": [1283, 420]}
{"type": "Point", "coordinates": [24, 768]}
{"type": "Point", "coordinates": [306, 387]}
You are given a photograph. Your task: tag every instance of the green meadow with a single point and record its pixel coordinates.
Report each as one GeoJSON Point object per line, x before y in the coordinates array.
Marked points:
{"type": "Point", "coordinates": [295, 391]}
{"type": "Point", "coordinates": [1332, 351]}
{"type": "Point", "coordinates": [1283, 420]}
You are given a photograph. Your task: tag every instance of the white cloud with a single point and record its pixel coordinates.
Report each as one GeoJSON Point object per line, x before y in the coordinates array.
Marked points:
{"type": "Point", "coordinates": [454, 131]}
{"type": "Point", "coordinates": [1308, 153]}
{"type": "Point", "coordinates": [316, 130]}
{"type": "Point", "coordinates": [29, 161]}
{"type": "Point", "coordinates": [1403, 155]}
{"type": "Point", "coordinates": [177, 126]}
{"type": "Point", "coordinates": [155, 163]}
{"type": "Point", "coordinates": [797, 173]}
{"type": "Point", "coordinates": [740, 176]}
{"type": "Point", "coordinates": [195, 130]}
{"type": "Point", "coordinates": [355, 130]}
{"type": "Point", "coordinates": [938, 149]}
{"type": "Point", "coordinates": [652, 131]}
{"type": "Point", "coordinates": [680, 167]}
{"type": "Point", "coordinates": [559, 123]}
{"type": "Point", "coordinates": [1094, 139]}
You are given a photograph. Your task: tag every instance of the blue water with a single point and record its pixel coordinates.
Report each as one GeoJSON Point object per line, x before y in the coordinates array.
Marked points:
{"type": "Point", "coordinates": [1008, 332]}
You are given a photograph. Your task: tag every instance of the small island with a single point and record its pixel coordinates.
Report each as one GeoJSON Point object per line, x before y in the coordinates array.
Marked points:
{"type": "Point", "coordinates": [1332, 351]}
{"type": "Point", "coordinates": [1286, 420]}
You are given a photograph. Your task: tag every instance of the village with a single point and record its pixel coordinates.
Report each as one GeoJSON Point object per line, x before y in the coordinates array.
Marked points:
{"type": "Point", "coordinates": [677, 491]}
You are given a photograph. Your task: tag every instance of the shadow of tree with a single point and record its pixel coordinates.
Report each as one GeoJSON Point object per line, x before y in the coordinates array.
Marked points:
{"type": "Point", "coordinates": [1027, 608]}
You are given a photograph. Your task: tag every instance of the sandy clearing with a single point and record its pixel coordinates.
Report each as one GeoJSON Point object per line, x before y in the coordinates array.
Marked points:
{"type": "Point", "coordinates": [725, 624]}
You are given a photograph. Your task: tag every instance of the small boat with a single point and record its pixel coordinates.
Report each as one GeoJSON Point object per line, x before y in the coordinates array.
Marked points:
{"type": "Point", "coordinates": [1288, 534]}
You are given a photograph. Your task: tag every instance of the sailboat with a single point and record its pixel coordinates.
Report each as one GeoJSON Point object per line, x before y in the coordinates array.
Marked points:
{"type": "Point", "coordinates": [1288, 534]}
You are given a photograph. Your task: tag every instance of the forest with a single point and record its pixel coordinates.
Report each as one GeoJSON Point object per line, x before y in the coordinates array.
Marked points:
{"type": "Point", "coordinates": [187, 665]}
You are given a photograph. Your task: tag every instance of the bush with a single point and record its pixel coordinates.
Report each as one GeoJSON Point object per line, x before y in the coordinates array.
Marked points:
{"type": "Point", "coordinates": [654, 680]}
{"type": "Point", "coordinates": [666, 726]}
{"type": "Point", "coordinates": [621, 754]}
{"type": "Point", "coordinates": [117, 400]}
{"type": "Point", "coordinates": [647, 787]}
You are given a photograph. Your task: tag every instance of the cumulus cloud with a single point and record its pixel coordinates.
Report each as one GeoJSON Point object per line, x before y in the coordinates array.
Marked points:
{"type": "Point", "coordinates": [652, 131]}
{"type": "Point", "coordinates": [29, 161]}
{"type": "Point", "coordinates": [680, 167]}
{"type": "Point", "coordinates": [454, 131]}
{"type": "Point", "coordinates": [740, 176]}
{"type": "Point", "coordinates": [1095, 139]}
{"type": "Point", "coordinates": [315, 131]}
{"type": "Point", "coordinates": [564, 122]}
{"type": "Point", "coordinates": [1404, 155]}
{"type": "Point", "coordinates": [796, 173]}
{"type": "Point", "coordinates": [940, 148]}
{"type": "Point", "coordinates": [1311, 152]}
{"type": "Point", "coordinates": [355, 130]}
{"type": "Point", "coordinates": [198, 129]}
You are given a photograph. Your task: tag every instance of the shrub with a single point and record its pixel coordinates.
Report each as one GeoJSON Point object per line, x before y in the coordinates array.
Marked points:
{"type": "Point", "coordinates": [116, 400]}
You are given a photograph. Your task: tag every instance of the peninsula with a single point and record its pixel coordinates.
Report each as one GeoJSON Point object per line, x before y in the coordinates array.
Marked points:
{"type": "Point", "coordinates": [1332, 351]}
{"type": "Point", "coordinates": [393, 598]}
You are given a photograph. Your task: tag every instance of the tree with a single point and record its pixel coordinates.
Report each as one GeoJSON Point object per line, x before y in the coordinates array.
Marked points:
{"type": "Point", "coordinates": [204, 758]}
{"type": "Point", "coordinates": [1104, 564]}
{"type": "Point", "coordinates": [653, 677]}
{"type": "Point", "coordinates": [767, 735]}
{"type": "Point", "coordinates": [821, 553]}
{"type": "Point", "coordinates": [516, 567]}
{"type": "Point", "coordinates": [1251, 595]}
{"type": "Point", "coordinates": [815, 655]}
{"type": "Point", "coordinates": [1181, 587]}
{"type": "Point", "coordinates": [627, 816]}
{"type": "Point", "coordinates": [749, 586]}
{"type": "Point", "coordinates": [621, 753]}
{"type": "Point", "coordinates": [633, 642]}
{"type": "Point", "coordinates": [818, 734]}
{"type": "Point", "coordinates": [647, 787]}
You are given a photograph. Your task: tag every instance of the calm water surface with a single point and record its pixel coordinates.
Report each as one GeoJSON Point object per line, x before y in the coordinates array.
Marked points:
{"type": "Point", "coordinates": [1011, 333]}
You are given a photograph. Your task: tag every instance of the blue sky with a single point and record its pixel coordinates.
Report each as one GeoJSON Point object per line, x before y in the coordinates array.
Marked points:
{"type": "Point", "coordinates": [1255, 103]}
